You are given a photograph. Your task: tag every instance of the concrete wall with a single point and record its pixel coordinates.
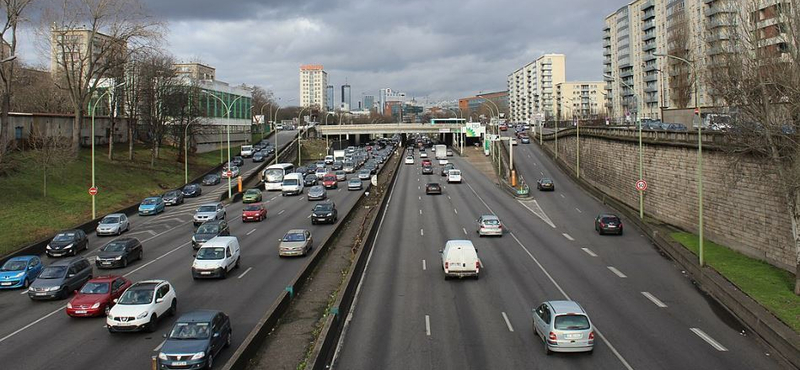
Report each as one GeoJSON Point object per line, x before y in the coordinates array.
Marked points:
{"type": "Point", "coordinates": [742, 209]}
{"type": "Point", "coordinates": [21, 125]}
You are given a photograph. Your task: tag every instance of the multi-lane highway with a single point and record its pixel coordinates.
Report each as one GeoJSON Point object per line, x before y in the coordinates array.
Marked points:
{"type": "Point", "coordinates": [39, 335]}
{"type": "Point", "coordinates": [646, 313]}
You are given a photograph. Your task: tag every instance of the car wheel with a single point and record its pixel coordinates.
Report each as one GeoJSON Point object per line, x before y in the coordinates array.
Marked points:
{"type": "Point", "coordinates": [106, 310]}
{"type": "Point", "coordinates": [173, 307]}
{"type": "Point", "coordinates": [119, 231]}
{"type": "Point", "coordinates": [151, 325]}
{"type": "Point", "coordinates": [238, 260]}
{"type": "Point", "coordinates": [210, 361]}
{"type": "Point", "coordinates": [313, 222]}
{"type": "Point", "coordinates": [26, 283]}
{"type": "Point", "coordinates": [228, 340]}
{"type": "Point", "coordinates": [125, 262]}
{"type": "Point", "coordinates": [141, 254]}
{"type": "Point", "coordinates": [547, 350]}
{"type": "Point", "coordinates": [224, 274]}
{"type": "Point", "coordinates": [128, 227]}
{"type": "Point", "coordinates": [111, 330]}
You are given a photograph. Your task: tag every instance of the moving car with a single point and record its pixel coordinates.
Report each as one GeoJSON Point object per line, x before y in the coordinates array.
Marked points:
{"type": "Point", "coordinates": [349, 167]}
{"type": "Point", "coordinates": [364, 174]}
{"type": "Point", "coordinates": [317, 192]}
{"type": "Point", "coordinates": [209, 230]}
{"type": "Point", "coordinates": [209, 211]}
{"type": "Point", "coordinates": [173, 198]}
{"type": "Point", "coordinates": [328, 159]}
{"type": "Point", "coordinates": [426, 162]}
{"type": "Point", "coordinates": [337, 165]}
{"type": "Point", "coordinates": [20, 271]}
{"type": "Point", "coordinates": [119, 253]}
{"type": "Point", "coordinates": [409, 160]}
{"type": "Point", "coordinates": [296, 242]}
{"type": "Point", "coordinates": [195, 340]}
{"type": "Point", "coordinates": [460, 259]}
{"type": "Point", "coordinates": [608, 224]}
{"type": "Point", "coordinates": [354, 184]}
{"type": "Point", "coordinates": [449, 152]}
{"type": "Point", "coordinates": [489, 225]}
{"type": "Point", "coordinates": [423, 154]}
{"type": "Point", "coordinates": [211, 179]}
{"type": "Point", "coordinates": [331, 181]}
{"type": "Point", "coordinates": [427, 170]}
{"type": "Point", "coordinates": [217, 257]}
{"type": "Point", "coordinates": [254, 212]}
{"type": "Point", "coordinates": [192, 190]}
{"type": "Point", "coordinates": [446, 169]}
{"type": "Point", "coordinates": [453, 176]}
{"type": "Point", "coordinates": [141, 306]}
{"type": "Point", "coordinates": [292, 184]}
{"type": "Point", "coordinates": [234, 170]}
{"type": "Point", "coordinates": [433, 188]}
{"type": "Point", "coordinates": [97, 296]}
{"type": "Point", "coordinates": [259, 157]}
{"type": "Point", "coordinates": [545, 184]}
{"type": "Point", "coordinates": [59, 279]}
{"type": "Point", "coordinates": [324, 212]}
{"type": "Point", "coordinates": [251, 196]}
{"type": "Point", "coordinates": [525, 139]}
{"type": "Point", "coordinates": [320, 172]}
{"type": "Point", "coordinates": [247, 151]}
{"type": "Point", "coordinates": [67, 242]}
{"type": "Point", "coordinates": [310, 180]}
{"type": "Point", "coordinates": [340, 175]}
{"type": "Point", "coordinates": [113, 224]}
{"type": "Point", "coordinates": [152, 206]}
{"type": "Point", "coordinates": [238, 161]}
{"type": "Point", "coordinates": [563, 326]}
{"type": "Point", "coordinates": [514, 141]}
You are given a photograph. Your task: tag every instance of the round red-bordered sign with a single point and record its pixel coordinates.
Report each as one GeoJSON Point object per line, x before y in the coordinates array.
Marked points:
{"type": "Point", "coordinates": [93, 191]}
{"type": "Point", "coordinates": [229, 174]}
{"type": "Point", "coordinates": [641, 185]}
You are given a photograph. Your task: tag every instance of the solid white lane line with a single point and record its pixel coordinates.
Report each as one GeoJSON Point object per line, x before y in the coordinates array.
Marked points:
{"type": "Point", "coordinates": [616, 272]}
{"type": "Point", "coordinates": [158, 348]}
{"type": "Point", "coordinates": [465, 230]}
{"type": "Point", "coordinates": [653, 299]}
{"type": "Point", "coordinates": [578, 209]}
{"type": "Point", "coordinates": [589, 252]}
{"type": "Point", "coordinates": [424, 266]}
{"type": "Point", "coordinates": [568, 237]}
{"type": "Point", "coordinates": [421, 232]}
{"type": "Point", "coordinates": [562, 195]}
{"type": "Point", "coordinates": [301, 198]}
{"type": "Point", "coordinates": [283, 210]}
{"type": "Point", "coordinates": [428, 325]}
{"type": "Point", "coordinates": [455, 210]}
{"type": "Point", "coordinates": [245, 272]}
{"type": "Point", "coordinates": [420, 211]}
{"type": "Point", "coordinates": [708, 339]}
{"type": "Point", "coordinates": [251, 231]}
{"type": "Point", "coordinates": [508, 323]}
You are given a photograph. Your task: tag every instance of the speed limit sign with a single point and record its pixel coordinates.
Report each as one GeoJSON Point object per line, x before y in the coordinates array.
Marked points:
{"type": "Point", "coordinates": [641, 185]}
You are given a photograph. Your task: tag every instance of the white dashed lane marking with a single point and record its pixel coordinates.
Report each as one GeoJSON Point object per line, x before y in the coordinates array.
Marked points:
{"type": "Point", "coordinates": [653, 299]}
{"type": "Point", "coordinates": [568, 237]}
{"type": "Point", "coordinates": [589, 252]}
{"type": "Point", "coordinates": [708, 339]}
{"type": "Point", "coordinates": [616, 272]}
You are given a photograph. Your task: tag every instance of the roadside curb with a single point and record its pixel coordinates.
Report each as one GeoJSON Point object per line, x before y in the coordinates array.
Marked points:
{"type": "Point", "coordinates": [776, 334]}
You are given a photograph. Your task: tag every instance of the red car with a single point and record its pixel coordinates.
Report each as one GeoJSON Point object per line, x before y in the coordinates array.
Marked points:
{"type": "Point", "coordinates": [254, 212]}
{"type": "Point", "coordinates": [426, 162]}
{"type": "Point", "coordinates": [97, 296]}
{"type": "Point", "coordinates": [329, 181]}
{"type": "Point", "coordinates": [503, 127]}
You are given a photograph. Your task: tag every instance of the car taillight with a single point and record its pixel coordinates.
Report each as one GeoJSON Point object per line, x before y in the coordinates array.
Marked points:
{"type": "Point", "coordinates": [477, 265]}
{"type": "Point", "coordinates": [553, 337]}
{"type": "Point", "coordinates": [591, 335]}
{"type": "Point", "coordinates": [446, 265]}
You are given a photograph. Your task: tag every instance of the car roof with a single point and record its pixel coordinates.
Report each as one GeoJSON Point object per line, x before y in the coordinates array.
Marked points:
{"type": "Point", "coordinates": [104, 278]}
{"type": "Point", "coordinates": [219, 241]}
{"type": "Point", "coordinates": [489, 217]}
{"type": "Point", "coordinates": [296, 231]}
{"type": "Point", "coordinates": [22, 258]}
{"type": "Point", "coordinates": [566, 307]}
{"type": "Point", "coordinates": [460, 243]}
{"type": "Point", "coordinates": [67, 261]}
{"type": "Point", "coordinates": [209, 204]}
{"type": "Point", "coordinates": [198, 316]}
{"type": "Point", "coordinates": [114, 215]}
{"type": "Point", "coordinates": [603, 215]}
{"type": "Point", "coordinates": [153, 197]}
{"type": "Point", "coordinates": [145, 285]}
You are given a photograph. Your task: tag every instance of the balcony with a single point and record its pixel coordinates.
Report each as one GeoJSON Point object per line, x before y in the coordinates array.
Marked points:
{"type": "Point", "coordinates": [649, 35]}
{"type": "Point", "coordinates": [651, 77]}
{"type": "Point", "coordinates": [650, 67]}
{"type": "Point", "coordinates": [719, 9]}
{"type": "Point", "coordinates": [651, 98]}
{"type": "Point", "coordinates": [649, 25]}
{"type": "Point", "coordinates": [651, 89]}
{"type": "Point", "coordinates": [606, 43]}
{"type": "Point", "coordinates": [649, 46]}
{"type": "Point", "coordinates": [649, 57]}
{"type": "Point", "coordinates": [649, 14]}
{"type": "Point", "coordinates": [647, 5]}
{"type": "Point", "coordinates": [719, 36]}
{"type": "Point", "coordinates": [607, 52]}
{"type": "Point", "coordinates": [626, 73]}
{"type": "Point", "coordinates": [721, 22]}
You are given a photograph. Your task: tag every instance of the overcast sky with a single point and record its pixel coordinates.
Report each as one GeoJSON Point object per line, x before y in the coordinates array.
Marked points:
{"type": "Point", "coordinates": [440, 49]}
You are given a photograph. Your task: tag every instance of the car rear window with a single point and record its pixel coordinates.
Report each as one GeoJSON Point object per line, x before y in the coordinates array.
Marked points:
{"type": "Point", "coordinates": [571, 322]}
{"type": "Point", "coordinates": [252, 207]}
{"type": "Point", "coordinates": [491, 222]}
{"type": "Point", "coordinates": [610, 219]}
{"type": "Point", "coordinates": [294, 237]}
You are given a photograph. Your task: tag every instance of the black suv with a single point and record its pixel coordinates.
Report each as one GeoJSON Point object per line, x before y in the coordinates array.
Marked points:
{"type": "Point", "coordinates": [211, 179]}
{"type": "Point", "coordinates": [433, 188]}
{"type": "Point", "coordinates": [209, 230]}
{"type": "Point", "coordinates": [324, 212]}
{"type": "Point", "coordinates": [204, 332]}
{"type": "Point", "coordinates": [119, 253]}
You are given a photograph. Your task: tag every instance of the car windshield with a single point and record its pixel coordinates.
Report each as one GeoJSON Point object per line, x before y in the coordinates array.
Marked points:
{"type": "Point", "coordinates": [317, 189]}
{"type": "Point", "coordinates": [14, 266]}
{"type": "Point", "coordinates": [290, 182]}
{"type": "Point", "coordinates": [64, 237]}
{"type": "Point", "coordinates": [365, 172]}
{"type": "Point", "coordinates": [210, 177]}
{"type": "Point", "coordinates": [252, 192]}
{"type": "Point", "coordinates": [211, 253]}
{"type": "Point", "coordinates": [110, 220]}
{"type": "Point", "coordinates": [171, 194]}
{"type": "Point", "coordinates": [323, 207]}
{"type": "Point", "coordinates": [208, 229]}
{"type": "Point", "coordinates": [329, 178]}
{"type": "Point", "coordinates": [546, 181]}
{"type": "Point", "coordinates": [207, 209]}
{"type": "Point", "coordinates": [149, 201]}
{"type": "Point", "coordinates": [53, 272]}
{"type": "Point", "coordinates": [136, 296]}
{"type": "Point", "coordinates": [190, 187]}
{"type": "Point", "coordinates": [294, 237]}
{"type": "Point", "coordinates": [95, 288]}
{"type": "Point", "coordinates": [571, 322]}
{"type": "Point", "coordinates": [114, 247]}
{"type": "Point", "coordinates": [491, 221]}
{"type": "Point", "coordinates": [274, 175]}
{"type": "Point", "coordinates": [251, 207]}
{"type": "Point", "coordinates": [190, 330]}
{"type": "Point", "coordinates": [340, 173]}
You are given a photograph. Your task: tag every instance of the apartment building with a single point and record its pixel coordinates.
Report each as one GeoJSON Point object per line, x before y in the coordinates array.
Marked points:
{"type": "Point", "coordinates": [70, 49]}
{"type": "Point", "coordinates": [638, 82]}
{"type": "Point", "coordinates": [196, 71]}
{"type": "Point", "coordinates": [580, 100]}
{"type": "Point", "coordinates": [313, 86]}
{"type": "Point", "coordinates": [531, 89]}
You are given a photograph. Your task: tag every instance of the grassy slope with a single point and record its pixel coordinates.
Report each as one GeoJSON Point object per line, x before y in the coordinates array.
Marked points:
{"type": "Point", "coordinates": [27, 216]}
{"type": "Point", "coordinates": [768, 285]}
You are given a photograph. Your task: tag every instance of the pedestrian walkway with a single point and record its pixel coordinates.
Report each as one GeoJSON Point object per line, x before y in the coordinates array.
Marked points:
{"type": "Point", "coordinates": [475, 157]}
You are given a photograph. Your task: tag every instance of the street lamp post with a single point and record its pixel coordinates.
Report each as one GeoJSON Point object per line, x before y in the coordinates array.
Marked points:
{"type": "Point", "coordinates": [327, 148]}
{"type": "Point", "coordinates": [274, 122]}
{"type": "Point", "coordinates": [699, 153]}
{"type": "Point", "coordinates": [186, 153]}
{"type": "Point", "coordinates": [228, 126]}
{"type": "Point", "coordinates": [641, 153]}
{"type": "Point", "coordinates": [93, 107]}
{"type": "Point", "coordinates": [299, 133]}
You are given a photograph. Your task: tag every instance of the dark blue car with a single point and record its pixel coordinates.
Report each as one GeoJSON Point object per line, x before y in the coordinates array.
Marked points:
{"type": "Point", "coordinates": [195, 340]}
{"type": "Point", "coordinates": [19, 272]}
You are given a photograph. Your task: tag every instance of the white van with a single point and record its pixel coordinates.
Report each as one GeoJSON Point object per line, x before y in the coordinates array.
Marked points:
{"type": "Point", "coordinates": [292, 184]}
{"type": "Point", "coordinates": [453, 176]}
{"type": "Point", "coordinates": [216, 257]}
{"type": "Point", "coordinates": [247, 151]}
{"type": "Point", "coordinates": [460, 259]}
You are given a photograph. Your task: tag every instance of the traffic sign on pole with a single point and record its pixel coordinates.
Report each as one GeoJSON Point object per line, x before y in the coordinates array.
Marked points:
{"type": "Point", "coordinates": [641, 185]}
{"type": "Point", "coordinates": [93, 191]}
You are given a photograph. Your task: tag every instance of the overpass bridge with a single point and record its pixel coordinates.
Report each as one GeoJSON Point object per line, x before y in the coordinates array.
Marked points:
{"type": "Point", "coordinates": [389, 128]}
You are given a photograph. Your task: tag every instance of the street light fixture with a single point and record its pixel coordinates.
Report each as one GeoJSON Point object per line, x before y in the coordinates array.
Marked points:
{"type": "Point", "coordinates": [274, 122]}
{"type": "Point", "coordinates": [228, 126]}
{"type": "Point", "coordinates": [693, 66]}
{"type": "Point", "coordinates": [641, 153]}
{"type": "Point", "coordinates": [93, 107]}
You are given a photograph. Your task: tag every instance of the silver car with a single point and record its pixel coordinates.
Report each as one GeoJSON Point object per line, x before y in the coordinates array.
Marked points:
{"type": "Point", "coordinates": [341, 176]}
{"type": "Point", "coordinates": [317, 192]}
{"type": "Point", "coordinates": [490, 225]}
{"type": "Point", "coordinates": [209, 211]}
{"type": "Point", "coordinates": [364, 174]}
{"type": "Point", "coordinates": [296, 242]}
{"type": "Point", "coordinates": [563, 326]}
{"type": "Point", "coordinates": [113, 224]}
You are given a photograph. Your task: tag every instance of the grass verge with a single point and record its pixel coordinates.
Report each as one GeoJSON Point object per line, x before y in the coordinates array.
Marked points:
{"type": "Point", "coordinates": [767, 284]}
{"type": "Point", "coordinates": [27, 215]}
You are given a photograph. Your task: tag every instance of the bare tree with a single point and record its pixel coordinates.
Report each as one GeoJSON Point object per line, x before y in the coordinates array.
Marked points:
{"type": "Point", "coordinates": [132, 96]}
{"type": "Point", "coordinates": [36, 92]}
{"type": "Point", "coordinates": [8, 49]}
{"type": "Point", "coordinates": [48, 152]}
{"type": "Point", "coordinates": [760, 80]}
{"type": "Point", "coordinates": [185, 112]}
{"type": "Point", "coordinates": [90, 41]}
{"type": "Point", "coordinates": [159, 91]}
{"type": "Point", "coordinates": [678, 44]}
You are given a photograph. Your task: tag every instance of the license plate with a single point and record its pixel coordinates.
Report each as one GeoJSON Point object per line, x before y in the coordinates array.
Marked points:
{"type": "Point", "coordinates": [612, 226]}
{"type": "Point", "coordinates": [80, 311]}
{"type": "Point", "coordinates": [178, 363]}
{"type": "Point", "coordinates": [6, 283]}
{"type": "Point", "coordinates": [105, 263]}
{"type": "Point", "coordinates": [205, 272]}
{"type": "Point", "coordinates": [573, 336]}
{"type": "Point", "coordinates": [41, 293]}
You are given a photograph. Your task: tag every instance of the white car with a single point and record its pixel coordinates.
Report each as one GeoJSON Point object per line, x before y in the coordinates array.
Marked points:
{"type": "Point", "coordinates": [247, 151]}
{"type": "Point", "coordinates": [460, 259]}
{"type": "Point", "coordinates": [141, 306]}
{"type": "Point", "coordinates": [216, 257]}
{"type": "Point", "coordinates": [453, 176]}
{"type": "Point", "coordinates": [423, 155]}
{"type": "Point", "coordinates": [328, 159]}
{"type": "Point", "coordinates": [409, 160]}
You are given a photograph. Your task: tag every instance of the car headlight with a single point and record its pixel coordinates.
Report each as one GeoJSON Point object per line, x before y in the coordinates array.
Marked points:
{"type": "Point", "coordinates": [19, 275]}
{"type": "Point", "coordinates": [69, 305]}
{"type": "Point", "coordinates": [198, 355]}
{"type": "Point", "coordinates": [96, 305]}
{"type": "Point", "coordinates": [118, 258]}
{"type": "Point", "coordinates": [141, 315]}
{"type": "Point", "coordinates": [193, 239]}
{"type": "Point", "coordinates": [68, 246]}
{"type": "Point", "coordinates": [162, 356]}
{"type": "Point", "coordinates": [52, 288]}
{"type": "Point", "coordinates": [329, 214]}
{"type": "Point", "coordinates": [49, 247]}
